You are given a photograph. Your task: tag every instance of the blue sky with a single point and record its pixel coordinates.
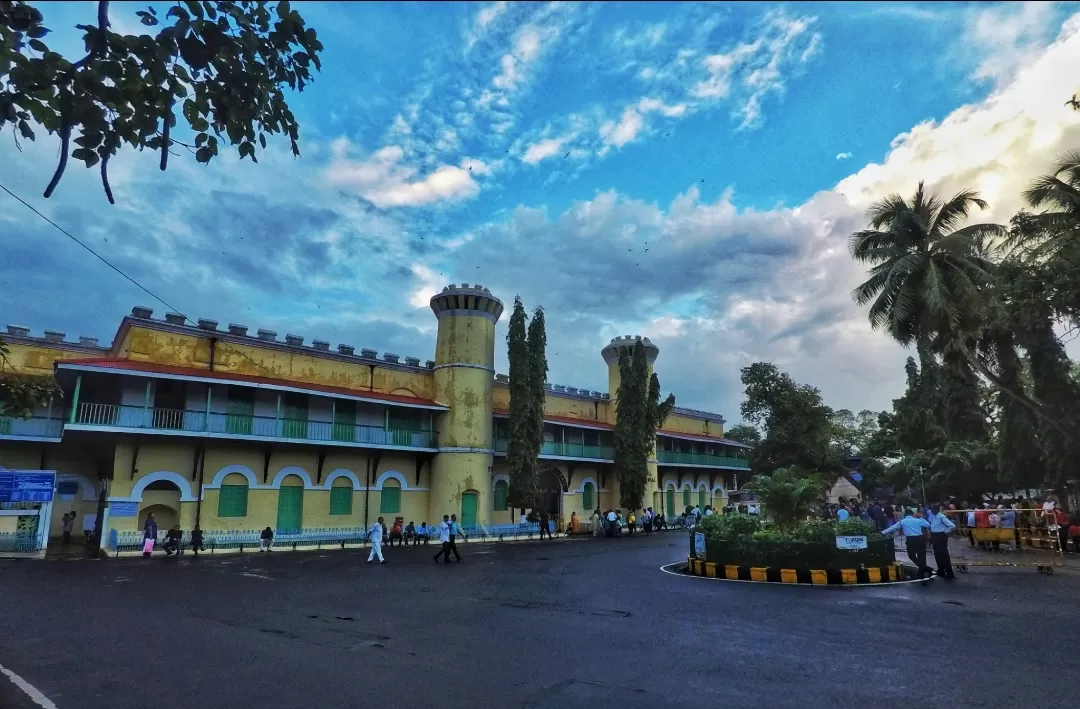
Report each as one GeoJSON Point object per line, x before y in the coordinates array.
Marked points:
{"type": "Point", "coordinates": [537, 147]}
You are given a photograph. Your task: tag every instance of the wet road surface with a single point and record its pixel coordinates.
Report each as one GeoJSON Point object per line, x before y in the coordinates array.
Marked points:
{"type": "Point", "coordinates": [564, 624]}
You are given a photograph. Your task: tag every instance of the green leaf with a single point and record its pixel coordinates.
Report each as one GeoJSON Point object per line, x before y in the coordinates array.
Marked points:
{"type": "Point", "coordinates": [262, 140]}
{"type": "Point", "coordinates": [38, 46]}
{"type": "Point", "coordinates": [195, 8]}
{"type": "Point", "coordinates": [24, 129]}
{"type": "Point", "coordinates": [37, 32]}
{"type": "Point", "coordinates": [203, 155]}
{"type": "Point", "coordinates": [200, 124]}
{"type": "Point", "coordinates": [283, 9]}
{"type": "Point", "coordinates": [81, 153]}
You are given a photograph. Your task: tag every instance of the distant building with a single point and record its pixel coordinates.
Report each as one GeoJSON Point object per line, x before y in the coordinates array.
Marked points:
{"type": "Point", "coordinates": [234, 431]}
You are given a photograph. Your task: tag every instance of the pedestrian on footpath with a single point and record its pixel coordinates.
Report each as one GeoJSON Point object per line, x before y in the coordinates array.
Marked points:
{"type": "Point", "coordinates": [444, 539]}
{"type": "Point", "coordinates": [544, 518]}
{"type": "Point", "coordinates": [913, 528]}
{"type": "Point", "coordinates": [69, 524]}
{"type": "Point", "coordinates": [940, 526]}
{"type": "Point", "coordinates": [149, 535]}
{"type": "Point", "coordinates": [455, 531]}
{"type": "Point", "coordinates": [375, 534]}
{"type": "Point", "coordinates": [597, 526]}
{"type": "Point", "coordinates": [647, 518]}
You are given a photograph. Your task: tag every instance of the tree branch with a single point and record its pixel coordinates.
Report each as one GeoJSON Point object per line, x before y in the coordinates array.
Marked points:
{"type": "Point", "coordinates": [105, 177]}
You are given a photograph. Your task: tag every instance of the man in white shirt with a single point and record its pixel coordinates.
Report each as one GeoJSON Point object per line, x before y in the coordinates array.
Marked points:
{"type": "Point", "coordinates": [444, 539]}
{"type": "Point", "coordinates": [375, 534]}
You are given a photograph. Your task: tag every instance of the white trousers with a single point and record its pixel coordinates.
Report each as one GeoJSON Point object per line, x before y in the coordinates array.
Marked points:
{"type": "Point", "coordinates": [266, 544]}
{"type": "Point", "coordinates": [376, 551]}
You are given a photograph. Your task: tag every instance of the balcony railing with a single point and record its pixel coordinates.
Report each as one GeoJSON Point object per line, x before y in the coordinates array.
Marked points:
{"type": "Point", "coordinates": [36, 427]}
{"type": "Point", "coordinates": [565, 450]}
{"type": "Point", "coordinates": [720, 461]}
{"type": "Point", "coordinates": [195, 422]}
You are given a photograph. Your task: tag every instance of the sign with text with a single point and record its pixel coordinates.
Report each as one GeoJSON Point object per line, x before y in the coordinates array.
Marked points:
{"type": "Point", "coordinates": [27, 485]}
{"type": "Point", "coordinates": [699, 545]}
{"type": "Point", "coordinates": [124, 509]}
{"type": "Point", "coordinates": [851, 542]}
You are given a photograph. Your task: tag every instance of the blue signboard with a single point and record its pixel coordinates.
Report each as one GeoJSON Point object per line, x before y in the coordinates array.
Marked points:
{"type": "Point", "coordinates": [857, 477]}
{"type": "Point", "coordinates": [124, 509]}
{"type": "Point", "coordinates": [26, 485]}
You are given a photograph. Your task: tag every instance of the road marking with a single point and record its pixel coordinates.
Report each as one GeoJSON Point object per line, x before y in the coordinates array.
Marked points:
{"type": "Point", "coordinates": [28, 689]}
{"type": "Point", "coordinates": [256, 576]}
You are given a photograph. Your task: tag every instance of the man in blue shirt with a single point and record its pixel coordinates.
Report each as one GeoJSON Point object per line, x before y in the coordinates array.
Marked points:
{"type": "Point", "coordinates": [940, 526]}
{"type": "Point", "coordinates": [916, 543]}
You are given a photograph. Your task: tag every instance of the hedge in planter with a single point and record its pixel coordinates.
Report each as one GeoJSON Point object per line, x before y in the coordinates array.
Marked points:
{"type": "Point", "coordinates": [743, 540]}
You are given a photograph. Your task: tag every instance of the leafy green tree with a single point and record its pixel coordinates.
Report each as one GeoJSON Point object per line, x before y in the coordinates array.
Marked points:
{"type": "Point", "coordinates": [743, 433]}
{"type": "Point", "coordinates": [638, 413]}
{"type": "Point", "coordinates": [23, 394]}
{"type": "Point", "coordinates": [798, 426]}
{"type": "Point", "coordinates": [522, 452]}
{"type": "Point", "coordinates": [852, 433]}
{"type": "Point", "coordinates": [221, 65]}
{"type": "Point", "coordinates": [787, 496]}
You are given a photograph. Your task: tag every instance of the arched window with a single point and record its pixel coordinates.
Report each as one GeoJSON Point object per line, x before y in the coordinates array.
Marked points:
{"type": "Point", "coordinates": [686, 496]}
{"type": "Point", "coordinates": [588, 497]}
{"type": "Point", "coordinates": [390, 499]}
{"type": "Point", "coordinates": [701, 499]}
{"type": "Point", "coordinates": [670, 502]}
{"type": "Point", "coordinates": [341, 494]}
{"type": "Point", "coordinates": [502, 491]}
{"type": "Point", "coordinates": [233, 496]}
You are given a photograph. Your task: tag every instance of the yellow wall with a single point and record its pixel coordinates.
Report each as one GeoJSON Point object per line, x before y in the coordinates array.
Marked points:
{"type": "Point", "coordinates": [38, 358]}
{"type": "Point", "coordinates": [299, 366]}
{"type": "Point", "coordinates": [692, 426]}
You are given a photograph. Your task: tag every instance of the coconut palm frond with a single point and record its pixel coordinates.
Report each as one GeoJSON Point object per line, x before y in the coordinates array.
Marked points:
{"type": "Point", "coordinates": [954, 212]}
{"type": "Point", "coordinates": [1051, 191]}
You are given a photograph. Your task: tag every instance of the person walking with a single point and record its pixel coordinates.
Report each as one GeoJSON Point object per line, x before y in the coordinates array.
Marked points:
{"type": "Point", "coordinates": [544, 518]}
{"type": "Point", "coordinates": [444, 539]}
{"type": "Point", "coordinates": [597, 525]}
{"type": "Point", "coordinates": [647, 518]}
{"type": "Point", "coordinates": [149, 535]}
{"type": "Point", "coordinates": [913, 527]}
{"type": "Point", "coordinates": [940, 526]}
{"type": "Point", "coordinates": [69, 524]}
{"type": "Point", "coordinates": [455, 531]}
{"type": "Point", "coordinates": [375, 534]}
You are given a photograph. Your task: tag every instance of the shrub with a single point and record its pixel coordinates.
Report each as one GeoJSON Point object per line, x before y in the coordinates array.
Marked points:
{"type": "Point", "coordinates": [729, 527]}
{"type": "Point", "coordinates": [854, 527]}
{"type": "Point", "coordinates": [770, 535]}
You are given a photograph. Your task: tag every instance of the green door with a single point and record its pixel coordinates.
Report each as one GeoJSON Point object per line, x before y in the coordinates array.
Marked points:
{"type": "Point", "coordinates": [294, 424]}
{"type": "Point", "coordinates": [239, 410]}
{"type": "Point", "coordinates": [290, 509]}
{"type": "Point", "coordinates": [468, 509]}
{"type": "Point", "coordinates": [671, 502]}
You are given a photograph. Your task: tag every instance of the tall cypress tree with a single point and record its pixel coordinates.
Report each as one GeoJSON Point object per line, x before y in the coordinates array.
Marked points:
{"type": "Point", "coordinates": [523, 483]}
{"type": "Point", "coordinates": [638, 413]}
{"type": "Point", "coordinates": [538, 370]}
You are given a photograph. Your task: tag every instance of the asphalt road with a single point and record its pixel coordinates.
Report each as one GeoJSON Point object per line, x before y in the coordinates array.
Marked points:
{"type": "Point", "coordinates": [534, 624]}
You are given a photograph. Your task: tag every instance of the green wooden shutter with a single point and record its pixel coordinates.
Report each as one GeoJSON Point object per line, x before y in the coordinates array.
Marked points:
{"type": "Point", "coordinates": [295, 416]}
{"type": "Point", "coordinates": [290, 509]}
{"type": "Point", "coordinates": [390, 500]}
{"type": "Point", "coordinates": [686, 497]}
{"type": "Point", "coordinates": [239, 410]}
{"type": "Point", "coordinates": [232, 501]}
{"type": "Point", "coordinates": [701, 499]}
{"type": "Point", "coordinates": [670, 502]}
{"type": "Point", "coordinates": [345, 421]}
{"type": "Point", "coordinates": [341, 500]}
{"type": "Point", "coordinates": [502, 490]}
{"type": "Point", "coordinates": [587, 502]}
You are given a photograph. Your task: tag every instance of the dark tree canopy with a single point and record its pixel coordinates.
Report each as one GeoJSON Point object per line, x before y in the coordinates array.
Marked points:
{"type": "Point", "coordinates": [527, 344]}
{"type": "Point", "coordinates": [222, 66]}
{"type": "Point", "coordinates": [22, 394]}
{"type": "Point", "coordinates": [743, 433]}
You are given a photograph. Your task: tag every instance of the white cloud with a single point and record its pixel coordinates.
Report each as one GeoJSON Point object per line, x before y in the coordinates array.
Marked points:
{"type": "Point", "coordinates": [843, 156]}
{"type": "Point", "coordinates": [384, 181]}
{"type": "Point", "coordinates": [721, 287]}
{"type": "Point", "coordinates": [648, 105]}
{"type": "Point", "coordinates": [542, 150]}
{"type": "Point", "coordinates": [1008, 36]}
{"type": "Point", "coordinates": [624, 131]}
{"type": "Point", "coordinates": [509, 76]}
{"type": "Point", "coordinates": [485, 18]}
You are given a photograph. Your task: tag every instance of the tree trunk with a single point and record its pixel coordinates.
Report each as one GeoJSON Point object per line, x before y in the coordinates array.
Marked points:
{"type": "Point", "coordinates": [1036, 408]}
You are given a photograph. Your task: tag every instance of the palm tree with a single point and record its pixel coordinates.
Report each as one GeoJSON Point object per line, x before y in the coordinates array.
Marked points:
{"type": "Point", "coordinates": [785, 496]}
{"type": "Point", "coordinates": [930, 278]}
{"type": "Point", "coordinates": [1060, 192]}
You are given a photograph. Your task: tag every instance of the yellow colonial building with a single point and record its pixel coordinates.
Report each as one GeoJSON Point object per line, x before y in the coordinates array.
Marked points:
{"type": "Point", "coordinates": [236, 431]}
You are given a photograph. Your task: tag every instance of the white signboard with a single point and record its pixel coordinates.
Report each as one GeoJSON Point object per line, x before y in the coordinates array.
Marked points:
{"type": "Point", "coordinates": [851, 542]}
{"type": "Point", "coordinates": [699, 545]}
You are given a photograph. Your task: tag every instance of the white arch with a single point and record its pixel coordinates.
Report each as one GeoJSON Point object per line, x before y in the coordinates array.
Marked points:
{"type": "Point", "coordinates": [670, 484]}
{"type": "Point", "coordinates": [581, 487]}
{"type": "Point", "coordinates": [342, 473]}
{"type": "Point", "coordinates": [292, 470]}
{"type": "Point", "coordinates": [719, 486]}
{"type": "Point", "coordinates": [686, 483]}
{"type": "Point", "coordinates": [168, 476]}
{"type": "Point", "coordinates": [702, 485]}
{"type": "Point", "coordinates": [391, 474]}
{"type": "Point", "coordinates": [253, 482]}
{"type": "Point", "coordinates": [86, 488]}
{"type": "Point", "coordinates": [501, 476]}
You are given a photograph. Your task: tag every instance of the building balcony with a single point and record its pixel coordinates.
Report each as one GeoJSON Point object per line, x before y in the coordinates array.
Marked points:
{"type": "Point", "coordinates": [138, 419]}
{"type": "Point", "coordinates": [555, 449]}
{"type": "Point", "coordinates": [37, 428]}
{"type": "Point", "coordinates": [702, 459]}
